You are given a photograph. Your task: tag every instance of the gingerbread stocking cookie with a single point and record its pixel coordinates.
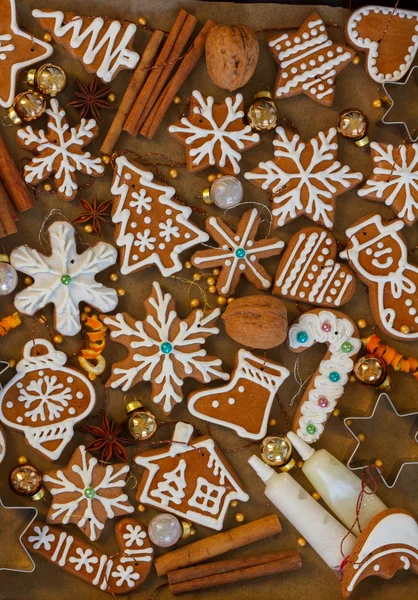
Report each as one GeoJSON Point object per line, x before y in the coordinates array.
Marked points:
{"type": "Point", "coordinates": [45, 399]}
{"type": "Point", "coordinates": [378, 254]}
{"type": "Point", "coordinates": [244, 403]}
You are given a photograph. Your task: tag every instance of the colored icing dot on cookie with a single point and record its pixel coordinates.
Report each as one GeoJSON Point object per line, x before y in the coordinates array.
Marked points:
{"type": "Point", "coordinates": [166, 347]}
{"type": "Point", "coordinates": [339, 49]}
{"type": "Point", "coordinates": [311, 276]}
{"type": "Point", "coordinates": [302, 337]}
{"type": "Point", "coordinates": [72, 411]}
{"type": "Point", "coordinates": [346, 347]}
{"type": "Point", "coordinates": [312, 63]}
{"type": "Point", "coordinates": [321, 87]}
{"type": "Point", "coordinates": [369, 251]}
{"type": "Point", "coordinates": [89, 492]}
{"type": "Point", "coordinates": [285, 75]}
{"type": "Point", "coordinates": [334, 376]}
{"type": "Point", "coordinates": [41, 373]}
{"type": "Point", "coordinates": [297, 40]}
{"type": "Point", "coordinates": [79, 395]}
{"type": "Point", "coordinates": [326, 326]}
{"type": "Point", "coordinates": [250, 243]}
{"type": "Point", "coordinates": [228, 263]}
{"type": "Point", "coordinates": [330, 54]}
{"type": "Point", "coordinates": [9, 404]}
{"type": "Point", "coordinates": [242, 267]}
{"type": "Point", "coordinates": [168, 211]}
{"type": "Point", "coordinates": [293, 70]}
{"type": "Point", "coordinates": [70, 379]}
{"type": "Point", "coordinates": [135, 256]}
{"type": "Point", "coordinates": [65, 279]}
{"type": "Point", "coordinates": [323, 402]}
{"type": "Point", "coordinates": [321, 58]}
{"type": "Point", "coordinates": [253, 258]}
{"type": "Point", "coordinates": [310, 428]}
{"type": "Point", "coordinates": [237, 238]}
{"type": "Point", "coordinates": [412, 311]}
{"type": "Point", "coordinates": [240, 253]}
{"type": "Point", "coordinates": [147, 220]}
{"type": "Point", "coordinates": [408, 302]}
{"type": "Point", "coordinates": [215, 404]}
{"type": "Point", "coordinates": [303, 66]}
{"type": "Point", "coordinates": [231, 400]}
{"type": "Point", "coordinates": [333, 291]}
{"type": "Point", "coordinates": [328, 299]}
{"type": "Point", "coordinates": [161, 246]}
{"type": "Point", "coordinates": [306, 284]}
{"type": "Point", "coordinates": [187, 235]}
{"type": "Point", "coordinates": [305, 35]}
{"type": "Point", "coordinates": [19, 385]}
{"type": "Point", "coordinates": [241, 389]}
{"type": "Point", "coordinates": [315, 268]}
{"type": "Point", "coordinates": [380, 245]}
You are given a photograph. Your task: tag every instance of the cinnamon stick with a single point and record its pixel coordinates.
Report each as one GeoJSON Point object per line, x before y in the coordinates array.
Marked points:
{"type": "Point", "coordinates": [152, 79]}
{"type": "Point", "coordinates": [13, 181]}
{"type": "Point", "coordinates": [6, 212]}
{"type": "Point", "coordinates": [2, 231]}
{"type": "Point", "coordinates": [231, 571]}
{"type": "Point", "coordinates": [159, 110]}
{"type": "Point", "coordinates": [132, 91]}
{"type": "Point", "coordinates": [218, 544]}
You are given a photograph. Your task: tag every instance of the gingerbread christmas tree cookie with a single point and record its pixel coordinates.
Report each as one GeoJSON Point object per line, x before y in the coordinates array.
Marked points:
{"type": "Point", "coordinates": [304, 178]}
{"type": "Point", "coordinates": [151, 227]}
{"type": "Point", "coordinates": [238, 253]}
{"type": "Point", "coordinates": [214, 134]}
{"type": "Point", "coordinates": [309, 61]}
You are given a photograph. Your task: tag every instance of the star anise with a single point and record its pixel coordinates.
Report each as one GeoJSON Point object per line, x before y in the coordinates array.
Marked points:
{"type": "Point", "coordinates": [108, 440]}
{"type": "Point", "coordinates": [93, 212]}
{"type": "Point", "coordinates": [90, 99]}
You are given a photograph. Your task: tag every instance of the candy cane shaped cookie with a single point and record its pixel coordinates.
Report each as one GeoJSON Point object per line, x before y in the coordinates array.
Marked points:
{"type": "Point", "coordinates": [117, 574]}
{"type": "Point", "coordinates": [327, 383]}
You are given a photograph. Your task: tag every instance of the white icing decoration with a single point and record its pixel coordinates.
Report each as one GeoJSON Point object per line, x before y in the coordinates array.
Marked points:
{"type": "Point", "coordinates": [42, 539]}
{"type": "Point", "coordinates": [64, 260]}
{"type": "Point", "coordinates": [173, 486]}
{"type": "Point", "coordinates": [143, 240]}
{"type": "Point", "coordinates": [101, 36]}
{"type": "Point", "coordinates": [207, 496]}
{"type": "Point", "coordinates": [341, 331]}
{"type": "Point", "coordinates": [372, 47]}
{"type": "Point", "coordinates": [84, 560]}
{"type": "Point", "coordinates": [134, 535]}
{"type": "Point", "coordinates": [249, 368]}
{"type": "Point", "coordinates": [178, 447]}
{"type": "Point", "coordinates": [229, 140]}
{"type": "Point", "coordinates": [125, 575]}
{"type": "Point", "coordinates": [321, 185]}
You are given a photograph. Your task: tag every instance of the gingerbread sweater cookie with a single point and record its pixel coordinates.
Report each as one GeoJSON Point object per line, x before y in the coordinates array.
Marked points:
{"type": "Point", "coordinates": [103, 45]}
{"type": "Point", "coordinates": [388, 36]}
{"type": "Point", "coordinates": [378, 254]}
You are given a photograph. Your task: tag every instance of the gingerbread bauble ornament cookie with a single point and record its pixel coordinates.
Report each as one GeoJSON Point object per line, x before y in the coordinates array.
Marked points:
{"type": "Point", "coordinates": [46, 399]}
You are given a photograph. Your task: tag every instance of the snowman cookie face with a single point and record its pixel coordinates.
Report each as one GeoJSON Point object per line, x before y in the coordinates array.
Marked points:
{"type": "Point", "coordinates": [45, 399]}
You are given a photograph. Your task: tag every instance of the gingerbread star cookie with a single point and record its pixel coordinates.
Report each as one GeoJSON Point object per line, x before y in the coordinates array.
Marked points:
{"type": "Point", "coordinates": [238, 253]}
{"type": "Point", "coordinates": [308, 62]}
{"type": "Point", "coordinates": [18, 50]}
{"type": "Point", "coordinates": [394, 180]}
{"type": "Point", "coordinates": [304, 178]}
{"type": "Point", "coordinates": [214, 134]}
{"type": "Point", "coordinates": [87, 493]}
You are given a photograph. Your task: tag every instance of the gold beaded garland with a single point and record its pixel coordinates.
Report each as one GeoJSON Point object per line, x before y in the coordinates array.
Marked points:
{"type": "Point", "coordinates": [230, 299]}
{"type": "Point", "coordinates": [187, 264]}
{"type": "Point", "coordinates": [196, 276]}
{"type": "Point", "coordinates": [194, 303]}
{"type": "Point", "coordinates": [114, 277]}
{"type": "Point", "coordinates": [58, 339]}
{"type": "Point", "coordinates": [239, 518]}
{"type": "Point", "coordinates": [349, 422]}
{"type": "Point", "coordinates": [378, 463]}
{"type": "Point", "coordinates": [211, 178]}
{"type": "Point", "coordinates": [234, 503]}
{"type": "Point", "coordinates": [42, 320]}
{"type": "Point", "coordinates": [215, 272]}
{"type": "Point", "coordinates": [377, 103]}
{"type": "Point", "coordinates": [356, 60]}
{"type": "Point", "coordinates": [142, 21]}
{"type": "Point", "coordinates": [47, 187]}
{"type": "Point", "coordinates": [106, 160]}
{"type": "Point", "coordinates": [211, 281]}
{"type": "Point", "coordinates": [22, 460]}
{"type": "Point", "coordinates": [28, 280]}
{"type": "Point", "coordinates": [12, 363]}
{"type": "Point", "coordinates": [301, 542]}
{"type": "Point", "coordinates": [47, 37]}
{"type": "Point", "coordinates": [173, 173]}
{"type": "Point", "coordinates": [362, 323]}
{"type": "Point", "coordinates": [352, 379]}
{"type": "Point", "coordinates": [121, 292]}
{"type": "Point", "coordinates": [316, 496]}
{"type": "Point", "coordinates": [404, 329]}
{"type": "Point", "coordinates": [141, 508]}
{"type": "Point", "coordinates": [336, 412]}
{"type": "Point", "coordinates": [272, 422]}
{"type": "Point", "coordinates": [88, 228]}
{"type": "Point", "coordinates": [111, 97]}
{"type": "Point", "coordinates": [361, 437]}
{"type": "Point", "coordinates": [212, 289]}
{"type": "Point", "coordinates": [221, 300]}
{"type": "Point", "coordinates": [299, 464]}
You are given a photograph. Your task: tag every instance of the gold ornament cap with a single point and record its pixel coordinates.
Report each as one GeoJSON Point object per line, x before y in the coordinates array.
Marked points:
{"type": "Point", "coordinates": [39, 495]}
{"type": "Point", "coordinates": [31, 77]}
{"type": "Point", "coordinates": [4, 258]}
{"type": "Point", "coordinates": [13, 116]}
{"type": "Point", "coordinates": [133, 405]}
{"type": "Point", "coordinates": [276, 451]}
{"type": "Point", "coordinates": [188, 529]}
{"type": "Point", "coordinates": [263, 94]}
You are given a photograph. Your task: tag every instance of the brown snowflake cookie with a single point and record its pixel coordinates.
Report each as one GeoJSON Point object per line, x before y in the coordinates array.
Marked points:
{"type": "Point", "coordinates": [59, 151]}
{"type": "Point", "coordinates": [387, 544]}
{"type": "Point", "coordinates": [308, 61]}
{"type": "Point", "coordinates": [214, 134]}
{"type": "Point", "coordinates": [87, 493]}
{"type": "Point", "coordinates": [388, 36]}
{"type": "Point", "coordinates": [189, 478]}
{"type": "Point", "coordinates": [238, 253]}
{"type": "Point", "coordinates": [394, 180]}
{"type": "Point", "coordinates": [121, 573]}
{"type": "Point", "coordinates": [308, 271]}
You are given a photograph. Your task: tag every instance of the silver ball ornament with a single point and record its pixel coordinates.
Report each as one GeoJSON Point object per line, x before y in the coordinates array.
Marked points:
{"type": "Point", "coordinates": [164, 530]}
{"type": "Point", "coordinates": [8, 278]}
{"type": "Point", "coordinates": [226, 192]}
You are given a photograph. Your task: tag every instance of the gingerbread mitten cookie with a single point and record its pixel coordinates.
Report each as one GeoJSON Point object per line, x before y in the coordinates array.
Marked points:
{"type": "Point", "coordinates": [45, 399]}
{"type": "Point", "coordinates": [189, 478]}
{"type": "Point", "coordinates": [244, 403]}
{"type": "Point", "coordinates": [378, 254]}
{"type": "Point", "coordinates": [214, 134]}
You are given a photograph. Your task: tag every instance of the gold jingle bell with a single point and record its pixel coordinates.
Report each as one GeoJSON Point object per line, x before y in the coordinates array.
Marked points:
{"type": "Point", "coordinates": [353, 125]}
{"type": "Point", "coordinates": [25, 480]}
{"type": "Point", "coordinates": [262, 114]}
{"type": "Point", "coordinates": [142, 424]}
{"type": "Point", "coordinates": [49, 79]}
{"type": "Point", "coordinates": [276, 451]}
{"type": "Point", "coordinates": [370, 370]}
{"type": "Point", "coordinates": [27, 106]}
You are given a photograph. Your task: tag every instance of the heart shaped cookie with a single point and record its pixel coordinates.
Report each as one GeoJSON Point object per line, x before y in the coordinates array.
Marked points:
{"type": "Point", "coordinates": [308, 271]}
{"type": "Point", "coordinates": [390, 38]}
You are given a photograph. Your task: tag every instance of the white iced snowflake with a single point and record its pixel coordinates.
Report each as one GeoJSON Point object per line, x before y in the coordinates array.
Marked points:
{"type": "Point", "coordinates": [42, 539]}
{"type": "Point", "coordinates": [64, 278]}
{"type": "Point", "coordinates": [59, 151]}
{"type": "Point", "coordinates": [169, 230]}
{"type": "Point", "coordinates": [134, 535]}
{"type": "Point", "coordinates": [46, 393]}
{"type": "Point", "coordinates": [84, 559]}
{"type": "Point", "coordinates": [202, 127]}
{"type": "Point", "coordinates": [145, 241]}
{"type": "Point", "coordinates": [125, 575]}
{"type": "Point", "coordinates": [141, 201]}
{"type": "Point", "coordinates": [304, 178]}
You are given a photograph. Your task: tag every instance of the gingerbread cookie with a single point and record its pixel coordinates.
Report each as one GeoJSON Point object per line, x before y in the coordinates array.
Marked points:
{"type": "Point", "coordinates": [378, 254]}
{"type": "Point", "coordinates": [18, 50]}
{"type": "Point", "coordinates": [2, 444]}
{"type": "Point", "coordinates": [388, 36]}
{"type": "Point", "coordinates": [308, 62]}
{"type": "Point", "coordinates": [151, 227]}
{"type": "Point", "coordinates": [189, 478]}
{"type": "Point", "coordinates": [304, 178]}
{"type": "Point", "coordinates": [60, 151]}
{"type": "Point", "coordinates": [87, 493]}
{"type": "Point", "coordinates": [121, 573]}
{"type": "Point", "coordinates": [64, 278]}
{"type": "Point", "coordinates": [394, 180]}
{"type": "Point", "coordinates": [308, 271]}
{"type": "Point", "coordinates": [387, 544]}
{"type": "Point", "coordinates": [214, 134]}
{"type": "Point", "coordinates": [327, 383]}
{"type": "Point", "coordinates": [163, 349]}
{"type": "Point", "coordinates": [103, 45]}
{"type": "Point", "coordinates": [45, 399]}
{"type": "Point", "coordinates": [244, 403]}
{"type": "Point", "coordinates": [238, 253]}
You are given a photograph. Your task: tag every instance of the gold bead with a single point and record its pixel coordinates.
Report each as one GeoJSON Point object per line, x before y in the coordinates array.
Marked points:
{"type": "Point", "coordinates": [142, 508]}
{"type": "Point", "coordinates": [28, 280]}
{"type": "Point", "coordinates": [299, 464]}
{"type": "Point", "coordinates": [212, 289]}
{"type": "Point", "coordinates": [219, 175]}
{"type": "Point", "coordinates": [177, 100]}
{"type": "Point", "coordinates": [362, 323]}
{"type": "Point", "coordinates": [58, 339]}
{"type": "Point", "coordinates": [12, 363]}
{"type": "Point", "coordinates": [88, 228]}
{"type": "Point", "coordinates": [211, 281]}
{"type": "Point", "coordinates": [272, 422]}
{"type": "Point", "coordinates": [121, 292]}
{"type": "Point", "coordinates": [216, 272]}
{"type": "Point", "coordinates": [47, 37]}
{"type": "Point", "coordinates": [404, 329]}
{"type": "Point", "coordinates": [239, 518]}
{"type": "Point", "coordinates": [211, 178]}
{"type": "Point", "coordinates": [234, 503]}
{"type": "Point", "coordinates": [196, 276]}
{"type": "Point", "coordinates": [47, 187]}
{"type": "Point", "coordinates": [87, 309]}
{"type": "Point", "coordinates": [378, 463]}
{"type": "Point", "coordinates": [187, 264]}
{"type": "Point", "coordinates": [173, 173]}
{"type": "Point", "coordinates": [301, 542]}
{"type": "Point", "coordinates": [352, 379]}
{"type": "Point", "coordinates": [221, 300]}
{"type": "Point", "coordinates": [361, 437]}
{"type": "Point", "coordinates": [316, 496]}
{"type": "Point", "coordinates": [349, 422]}
{"type": "Point", "coordinates": [194, 303]}
{"type": "Point", "coordinates": [22, 460]}
{"type": "Point", "coordinates": [356, 60]}
{"type": "Point", "coordinates": [336, 412]}
{"type": "Point", "coordinates": [377, 103]}
{"type": "Point", "coordinates": [106, 160]}
{"type": "Point", "coordinates": [111, 97]}
{"type": "Point", "coordinates": [230, 299]}
{"type": "Point", "coordinates": [114, 277]}
{"type": "Point", "coordinates": [42, 320]}
{"type": "Point", "coordinates": [142, 22]}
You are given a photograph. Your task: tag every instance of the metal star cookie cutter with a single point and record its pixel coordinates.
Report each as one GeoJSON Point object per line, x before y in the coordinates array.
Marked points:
{"type": "Point", "coordinates": [35, 511]}
{"type": "Point", "coordinates": [387, 122]}
{"type": "Point", "coordinates": [393, 408]}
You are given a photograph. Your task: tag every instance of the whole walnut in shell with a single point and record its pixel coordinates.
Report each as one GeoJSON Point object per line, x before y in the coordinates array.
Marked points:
{"type": "Point", "coordinates": [256, 321]}
{"type": "Point", "coordinates": [231, 55]}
